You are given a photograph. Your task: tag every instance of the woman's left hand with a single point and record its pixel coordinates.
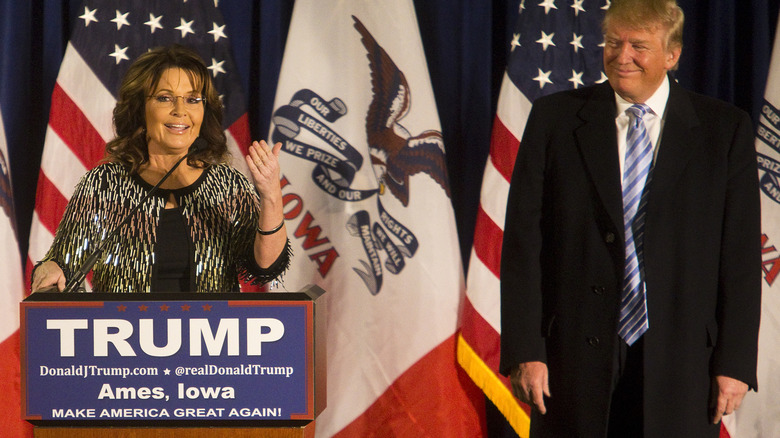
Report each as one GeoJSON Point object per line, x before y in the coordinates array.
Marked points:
{"type": "Point", "coordinates": [263, 162]}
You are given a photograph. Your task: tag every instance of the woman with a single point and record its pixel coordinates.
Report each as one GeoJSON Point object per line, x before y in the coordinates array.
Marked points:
{"type": "Point", "coordinates": [206, 226]}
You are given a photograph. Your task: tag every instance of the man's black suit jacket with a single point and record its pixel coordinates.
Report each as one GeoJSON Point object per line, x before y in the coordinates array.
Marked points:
{"type": "Point", "coordinates": [562, 260]}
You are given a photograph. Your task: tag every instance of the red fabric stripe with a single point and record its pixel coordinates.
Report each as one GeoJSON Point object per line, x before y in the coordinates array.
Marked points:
{"type": "Point", "coordinates": [67, 120]}
{"type": "Point", "coordinates": [723, 432]}
{"type": "Point", "coordinates": [10, 387]}
{"type": "Point", "coordinates": [486, 343]}
{"type": "Point", "coordinates": [424, 403]}
{"type": "Point", "coordinates": [240, 131]}
{"type": "Point", "coordinates": [49, 203]}
{"type": "Point", "coordinates": [480, 335]}
{"type": "Point", "coordinates": [503, 148]}
{"type": "Point", "coordinates": [487, 242]}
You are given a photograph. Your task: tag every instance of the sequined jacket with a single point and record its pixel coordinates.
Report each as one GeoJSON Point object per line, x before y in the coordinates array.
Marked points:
{"type": "Point", "coordinates": [221, 211]}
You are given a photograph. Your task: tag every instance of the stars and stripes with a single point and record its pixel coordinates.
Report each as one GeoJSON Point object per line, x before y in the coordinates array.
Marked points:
{"type": "Point", "coordinates": [554, 47]}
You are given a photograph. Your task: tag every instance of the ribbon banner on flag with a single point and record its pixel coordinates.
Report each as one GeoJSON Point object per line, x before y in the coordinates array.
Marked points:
{"type": "Point", "coordinates": [367, 199]}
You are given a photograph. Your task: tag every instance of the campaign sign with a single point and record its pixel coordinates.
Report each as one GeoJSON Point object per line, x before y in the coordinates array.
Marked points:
{"type": "Point", "coordinates": [173, 359]}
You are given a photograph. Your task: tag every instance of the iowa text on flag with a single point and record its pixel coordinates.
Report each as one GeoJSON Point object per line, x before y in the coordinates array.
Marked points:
{"type": "Point", "coordinates": [367, 202]}
{"type": "Point", "coordinates": [554, 47]}
{"type": "Point", "coordinates": [108, 36]}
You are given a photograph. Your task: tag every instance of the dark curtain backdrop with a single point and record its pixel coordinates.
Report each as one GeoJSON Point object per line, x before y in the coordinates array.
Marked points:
{"type": "Point", "coordinates": [726, 55]}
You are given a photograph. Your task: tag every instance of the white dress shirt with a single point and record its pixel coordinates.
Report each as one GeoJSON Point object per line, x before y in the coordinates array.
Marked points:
{"type": "Point", "coordinates": [653, 120]}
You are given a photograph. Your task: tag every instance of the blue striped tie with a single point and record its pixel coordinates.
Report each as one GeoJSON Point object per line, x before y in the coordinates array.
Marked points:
{"type": "Point", "coordinates": [639, 158]}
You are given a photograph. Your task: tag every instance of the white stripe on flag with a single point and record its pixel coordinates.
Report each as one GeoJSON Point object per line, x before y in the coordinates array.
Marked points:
{"type": "Point", "coordinates": [40, 239]}
{"type": "Point", "coordinates": [494, 193]}
{"type": "Point", "coordinates": [60, 165]}
{"type": "Point", "coordinates": [513, 108]}
{"type": "Point", "coordinates": [484, 292]}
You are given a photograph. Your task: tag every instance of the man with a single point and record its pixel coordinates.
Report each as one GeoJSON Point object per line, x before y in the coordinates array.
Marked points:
{"type": "Point", "coordinates": [630, 271]}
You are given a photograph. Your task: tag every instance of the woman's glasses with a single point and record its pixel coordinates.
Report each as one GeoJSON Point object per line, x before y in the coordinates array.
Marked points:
{"type": "Point", "coordinates": [169, 101]}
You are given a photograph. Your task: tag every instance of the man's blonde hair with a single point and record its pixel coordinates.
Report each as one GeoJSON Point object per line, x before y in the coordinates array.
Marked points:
{"type": "Point", "coordinates": [647, 14]}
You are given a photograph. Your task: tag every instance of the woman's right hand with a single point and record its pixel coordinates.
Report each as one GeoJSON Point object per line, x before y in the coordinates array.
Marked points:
{"type": "Point", "coordinates": [48, 274]}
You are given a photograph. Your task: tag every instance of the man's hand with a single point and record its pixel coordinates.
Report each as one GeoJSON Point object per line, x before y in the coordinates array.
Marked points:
{"type": "Point", "coordinates": [725, 396]}
{"type": "Point", "coordinates": [530, 384]}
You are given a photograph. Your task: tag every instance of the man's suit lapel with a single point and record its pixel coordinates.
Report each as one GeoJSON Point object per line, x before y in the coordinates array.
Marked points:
{"type": "Point", "coordinates": [678, 143]}
{"type": "Point", "coordinates": [597, 140]}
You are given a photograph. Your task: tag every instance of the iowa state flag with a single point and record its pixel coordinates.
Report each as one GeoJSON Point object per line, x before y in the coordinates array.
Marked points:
{"type": "Point", "coordinates": [368, 208]}
{"type": "Point", "coordinates": [11, 294]}
{"type": "Point", "coordinates": [14, 70]}
{"type": "Point", "coordinates": [107, 37]}
{"type": "Point", "coordinates": [759, 414]}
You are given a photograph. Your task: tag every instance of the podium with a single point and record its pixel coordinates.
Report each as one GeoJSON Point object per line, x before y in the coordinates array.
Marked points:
{"type": "Point", "coordinates": [164, 365]}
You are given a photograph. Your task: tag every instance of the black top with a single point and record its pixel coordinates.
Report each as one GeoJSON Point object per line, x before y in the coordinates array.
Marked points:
{"type": "Point", "coordinates": [171, 271]}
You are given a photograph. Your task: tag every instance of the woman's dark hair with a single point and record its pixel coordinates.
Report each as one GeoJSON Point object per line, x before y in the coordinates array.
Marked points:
{"type": "Point", "coordinates": [129, 147]}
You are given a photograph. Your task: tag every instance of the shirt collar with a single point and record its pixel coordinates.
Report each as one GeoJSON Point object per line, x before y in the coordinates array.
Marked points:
{"type": "Point", "coordinates": [656, 102]}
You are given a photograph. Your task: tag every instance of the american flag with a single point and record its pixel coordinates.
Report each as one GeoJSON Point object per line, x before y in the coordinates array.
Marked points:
{"type": "Point", "coordinates": [108, 36]}
{"type": "Point", "coordinates": [555, 46]}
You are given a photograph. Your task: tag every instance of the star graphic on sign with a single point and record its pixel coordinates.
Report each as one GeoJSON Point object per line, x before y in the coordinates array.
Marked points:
{"type": "Point", "coordinates": [121, 20]}
{"type": "Point", "coordinates": [543, 78]}
{"type": "Point", "coordinates": [121, 308]}
{"type": "Point", "coordinates": [167, 371]}
{"type": "Point", "coordinates": [143, 308]}
{"type": "Point", "coordinates": [602, 79]}
{"type": "Point", "coordinates": [577, 43]}
{"type": "Point", "coordinates": [185, 27]}
{"type": "Point", "coordinates": [88, 16]}
{"type": "Point", "coordinates": [218, 32]}
{"type": "Point", "coordinates": [207, 307]}
{"type": "Point", "coordinates": [154, 23]}
{"type": "Point", "coordinates": [119, 54]}
{"type": "Point", "coordinates": [576, 79]}
{"type": "Point", "coordinates": [164, 308]}
{"type": "Point", "coordinates": [577, 6]}
{"type": "Point", "coordinates": [547, 5]}
{"type": "Point", "coordinates": [515, 41]}
{"type": "Point", "coordinates": [546, 40]}
{"type": "Point", "coordinates": [185, 307]}
{"type": "Point", "coordinates": [216, 67]}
